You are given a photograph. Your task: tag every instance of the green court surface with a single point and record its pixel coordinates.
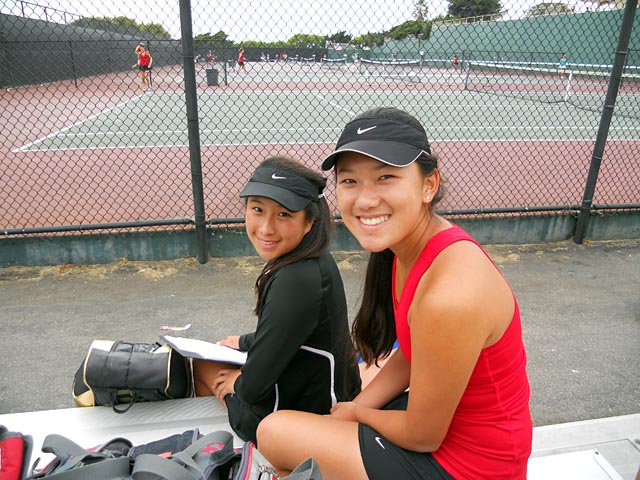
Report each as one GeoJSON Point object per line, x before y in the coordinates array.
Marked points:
{"type": "Point", "coordinates": [157, 119]}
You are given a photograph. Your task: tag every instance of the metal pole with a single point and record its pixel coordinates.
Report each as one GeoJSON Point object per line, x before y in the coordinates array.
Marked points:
{"type": "Point", "coordinates": [605, 119]}
{"type": "Point", "coordinates": [194, 129]}
{"type": "Point", "coordinates": [73, 65]}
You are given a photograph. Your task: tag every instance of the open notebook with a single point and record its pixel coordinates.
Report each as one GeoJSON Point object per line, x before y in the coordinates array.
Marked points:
{"type": "Point", "coordinates": [190, 347]}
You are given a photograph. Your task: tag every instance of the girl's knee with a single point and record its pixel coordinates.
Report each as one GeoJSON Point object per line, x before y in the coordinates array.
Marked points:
{"type": "Point", "coordinates": [267, 428]}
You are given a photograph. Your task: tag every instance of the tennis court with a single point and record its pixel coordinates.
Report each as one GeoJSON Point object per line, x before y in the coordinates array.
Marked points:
{"type": "Point", "coordinates": [471, 116]}
{"type": "Point", "coordinates": [494, 128]}
{"type": "Point", "coordinates": [512, 134]}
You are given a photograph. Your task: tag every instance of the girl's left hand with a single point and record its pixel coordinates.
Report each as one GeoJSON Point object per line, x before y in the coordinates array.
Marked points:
{"type": "Point", "coordinates": [345, 411]}
{"type": "Point", "coordinates": [224, 382]}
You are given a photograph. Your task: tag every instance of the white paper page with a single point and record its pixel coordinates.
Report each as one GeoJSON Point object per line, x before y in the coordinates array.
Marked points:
{"type": "Point", "coordinates": [190, 347]}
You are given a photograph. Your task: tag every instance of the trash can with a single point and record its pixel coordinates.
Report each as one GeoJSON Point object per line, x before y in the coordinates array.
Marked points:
{"type": "Point", "coordinates": [212, 77]}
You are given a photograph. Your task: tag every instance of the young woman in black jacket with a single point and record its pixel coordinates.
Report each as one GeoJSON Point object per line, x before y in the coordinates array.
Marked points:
{"type": "Point", "coordinates": [300, 357]}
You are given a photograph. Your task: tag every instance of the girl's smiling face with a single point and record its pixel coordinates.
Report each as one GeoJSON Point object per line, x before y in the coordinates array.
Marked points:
{"type": "Point", "coordinates": [273, 230]}
{"type": "Point", "coordinates": [381, 205]}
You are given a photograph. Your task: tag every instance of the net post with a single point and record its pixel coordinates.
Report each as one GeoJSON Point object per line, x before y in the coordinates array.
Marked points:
{"type": "Point", "coordinates": [467, 70]}
{"type": "Point", "coordinates": [567, 92]}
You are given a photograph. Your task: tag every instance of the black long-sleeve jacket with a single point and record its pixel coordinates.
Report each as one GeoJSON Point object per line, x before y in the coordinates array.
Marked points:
{"type": "Point", "coordinates": [300, 356]}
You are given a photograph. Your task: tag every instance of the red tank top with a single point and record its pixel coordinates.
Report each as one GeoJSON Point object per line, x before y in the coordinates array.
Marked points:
{"type": "Point", "coordinates": [145, 59]}
{"type": "Point", "coordinates": [490, 433]}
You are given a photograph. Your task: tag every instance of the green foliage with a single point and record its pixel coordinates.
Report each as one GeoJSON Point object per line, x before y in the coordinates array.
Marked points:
{"type": "Point", "coordinates": [369, 40]}
{"type": "Point", "coordinates": [421, 10]}
{"type": "Point", "coordinates": [301, 40]}
{"type": "Point", "coordinates": [123, 25]}
{"type": "Point", "coordinates": [155, 29]}
{"type": "Point", "coordinates": [410, 28]}
{"type": "Point", "coordinates": [547, 8]}
{"type": "Point", "coordinates": [473, 8]}
{"type": "Point", "coordinates": [219, 39]}
{"type": "Point", "coordinates": [340, 37]}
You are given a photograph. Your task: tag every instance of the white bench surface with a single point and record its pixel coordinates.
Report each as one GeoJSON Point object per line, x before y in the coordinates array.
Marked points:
{"type": "Point", "coordinates": [583, 465]}
{"type": "Point", "coordinates": [146, 422]}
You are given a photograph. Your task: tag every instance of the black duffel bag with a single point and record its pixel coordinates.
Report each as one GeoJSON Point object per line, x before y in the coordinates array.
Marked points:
{"type": "Point", "coordinates": [117, 372]}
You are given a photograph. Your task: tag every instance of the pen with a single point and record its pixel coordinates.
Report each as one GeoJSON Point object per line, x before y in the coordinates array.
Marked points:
{"type": "Point", "coordinates": [176, 329]}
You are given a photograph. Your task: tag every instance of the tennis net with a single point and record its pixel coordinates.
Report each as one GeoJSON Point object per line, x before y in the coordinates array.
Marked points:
{"type": "Point", "coordinates": [306, 60]}
{"type": "Point", "coordinates": [583, 86]}
{"type": "Point", "coordinates": [402, 70]}
{"type": "Point", "coordinates": [333, 62]}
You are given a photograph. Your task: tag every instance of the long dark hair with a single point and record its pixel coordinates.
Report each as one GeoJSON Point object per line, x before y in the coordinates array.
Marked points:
{"type": "Point", "coordinates": [316, 242]}
{"type": "Point", "coordinates": [373, 328]}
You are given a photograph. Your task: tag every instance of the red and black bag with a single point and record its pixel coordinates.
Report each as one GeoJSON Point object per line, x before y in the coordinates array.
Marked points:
{"type": "Point", "coordinates": [15, 454]}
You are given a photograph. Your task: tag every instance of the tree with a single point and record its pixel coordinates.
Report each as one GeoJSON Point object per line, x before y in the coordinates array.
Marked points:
{"type": "Point", "coordinates": [340, 37]}
{"type": "Point", "coordinates": [207, 40]}
{"type": "Point", "coordinates": [421, 11]}
{"type": "Point", "coordinates": [124, 25]}
{"type": "Point", "coordinates": [474, 8]}
{"type": "Point", "coordinates": [547, 8]}
{"type": "Point", "coordinates": [410, 28]}
{"type": "Point", "coordinates": [369, 40]}
{"type": "Point", "coordinates": [301, 40]}
{"type": "Point", "coordinates": [155, 29]}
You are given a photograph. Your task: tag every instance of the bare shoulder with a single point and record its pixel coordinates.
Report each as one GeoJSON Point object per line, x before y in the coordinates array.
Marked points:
{"type": "Point", "coordinates": [463, 286]}
{"type": "Point", "coordinates": [466, 264]}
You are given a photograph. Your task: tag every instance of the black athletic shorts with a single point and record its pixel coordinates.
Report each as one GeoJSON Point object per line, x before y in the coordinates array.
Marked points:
{"type": "Point", "coordinates": [384, 460]}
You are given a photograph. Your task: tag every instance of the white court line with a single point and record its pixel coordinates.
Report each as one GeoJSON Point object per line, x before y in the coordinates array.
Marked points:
{"type": "Point", "coordinates": [312, 130]}
{"type": "Point", "coordinates": [320, 97]}
{"type": "Point", "coordinates": [56, 133]}
{"type": "Point", "coordinates": [174, 145]}
{"type": "Point", "coordinates": [161, 132]}
{"type": "Point", "coordinates": [232, 144]}
{"type": "Point", "coordinates": [335, 129]}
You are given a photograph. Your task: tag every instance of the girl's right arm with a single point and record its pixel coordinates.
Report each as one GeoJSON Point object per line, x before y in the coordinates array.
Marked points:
{"type": "Point", "coordinates": [391, 381]}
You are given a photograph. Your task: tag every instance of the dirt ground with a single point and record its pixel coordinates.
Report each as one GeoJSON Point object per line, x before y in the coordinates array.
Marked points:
{"type": "Point", "coordinates": [580, 310]}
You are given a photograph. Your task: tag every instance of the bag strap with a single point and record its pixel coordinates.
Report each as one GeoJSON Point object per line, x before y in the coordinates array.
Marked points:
{"type": "Point", "coordinates": [307, 470]}
{"type": "Point", "coordinates": [61, 446]}
{"type": "Point", "coordinates": [114, 400]}
{"type": "Point", "coordinates": [183, 465]}
{"type": "Point", "coordinates": [153, 467]}
{"type": "Point", "coordinates": [252, 462]}
{"type": "Point", "coordinates": [220, 436]}
{"type": "Point", "coordinates": [109, 468]}
{"type": "Point", "coordinates": [72, 461]}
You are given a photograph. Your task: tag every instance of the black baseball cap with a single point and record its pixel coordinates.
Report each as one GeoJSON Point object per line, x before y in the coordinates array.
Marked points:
{"type": "Point", "coordinates": [388, 140]}
{"type": "Point", "coordinates": [291, 191]}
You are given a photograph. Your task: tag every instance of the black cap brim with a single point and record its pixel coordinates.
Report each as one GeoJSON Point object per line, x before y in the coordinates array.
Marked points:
{"type": "Point", "coordinates": [288, 199]}
{"type": "Point", "coordinates": [392, 153]}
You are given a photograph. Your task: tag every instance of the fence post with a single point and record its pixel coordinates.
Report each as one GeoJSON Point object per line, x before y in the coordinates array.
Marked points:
{"type": "Point", "coordinates": [193, 129]}
{"type": "Point", "coordinates": [605, 120]}
{"type": "Point", "coordinates": [73, 64]}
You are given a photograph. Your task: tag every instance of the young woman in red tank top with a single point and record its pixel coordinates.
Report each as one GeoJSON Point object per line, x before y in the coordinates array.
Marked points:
{"type": "Point", "coordinates": [453, 400]}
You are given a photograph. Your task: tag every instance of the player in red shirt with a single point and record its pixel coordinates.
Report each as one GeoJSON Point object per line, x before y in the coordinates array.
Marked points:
{"type": "Point", "coordinates": [144, 64]}
{"type": "Point", "coordinates": [241, 61]}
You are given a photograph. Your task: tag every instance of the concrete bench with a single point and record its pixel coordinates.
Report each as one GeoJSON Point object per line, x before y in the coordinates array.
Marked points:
{"type": "Point", "coordinates": [578, 450]}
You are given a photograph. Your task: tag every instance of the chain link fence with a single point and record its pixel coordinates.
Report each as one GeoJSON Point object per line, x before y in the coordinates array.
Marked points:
{"type": "Point", "coordinates": [91, 142]}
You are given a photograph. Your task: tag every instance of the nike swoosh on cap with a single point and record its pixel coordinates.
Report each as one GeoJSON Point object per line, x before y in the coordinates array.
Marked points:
{"type": "Point", "coordinates": [365, 130]}
{"type": "Point", "coordinates": [276, 177]}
